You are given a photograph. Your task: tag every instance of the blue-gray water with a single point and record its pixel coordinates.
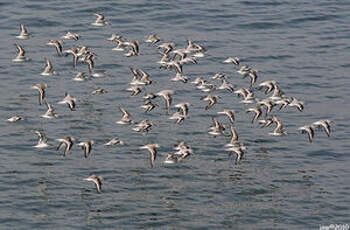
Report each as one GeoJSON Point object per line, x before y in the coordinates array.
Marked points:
{"type": "Point", "coordinates": [281, 183]}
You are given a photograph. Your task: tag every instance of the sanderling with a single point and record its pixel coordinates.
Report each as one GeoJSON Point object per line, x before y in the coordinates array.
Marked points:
{"type": "Point", "coordinates": [265, 122]}
{"type": "Point", "coordinates": [269, 85]}
{"type": "Point", "coordinates": [242, 92]}
{"type": "Point", "coordinates": [219, 76]}
{"type": "Point", "coordinates": [197, 81]}
{"type": "Point", "coordinates": [20, 55]}
{"type": "Point", "coordinates": [171, 159]}
{"type": "Point", "coordinates": [48, 71]}
{"type": "Point", "coordinates": [176, 65]}
{"type": "Point", "coordinates": [246, 94]}
{"type": "Point", "coordinates": [268, 103]}
{"type": "Point", "coordinates": [297, 103]}
{"type": "Point", "coordinates": [194, 47]}
{"type": "Point", "coordinates": [183, 107]}
{"type": "Point", "coordinates": [148, 105]}
{"type": "Point", "coordinates": [135, 89]}
{"type": "Point", "coordinates": [239, 151]}
{"type": "Point", "coordinates": [134, 47]}
{"type": "Point", "coordinates": [198, 55]}
{"type": "Point", "coordinates": [152, 38]}
{"type": "Point", "coordinates": [244, 70]}
{"type": "Point", "coordinates": [68, 142]}
{"type": "Point", "coordinates": [167, 46]}
{"type": "Point", "coordinates": [180, 145]}
{"type": "Point", "coordinates": [179, 77]}
{"type": "Point", "coordinates": [50, 113]}
{"type": "Point", "coordinates": [135, 76]}
{"type": "Point", "coordinates": [230, 113]}
{"type": "Point", "coordinates": [178, 116]}
{"type": "Point", "coordinates": [97, 181]}
{"type": "Point", "coordinates": [234, 138]}
{"type": "Point", "coordinates": [89, 60]}
{"type": "Point", "coordinates": [325, 124]}
{"type": "Point", "coordinates": [69, 100]}
{"type": "Point", "coordinates": [232, 60]}
{"type": "Point", "coordinates": [130, 53]}
{"type": "Point", "coordinates": [74, 53]}
{"type": "Point", "coordinates": [183, 152]}
{"type": "Point", "coordinates": [126, 118]}
{"type": "Point", "coordinates": [283, 102]}
{"type": "Point", "coordinates": [80, 76]}
{"type": "Point", "coordinates": [164, 60]}
{"type": "Point", "coordinates": [114, 142]}
{"type": "Point", "coordinates": [98, 73]}
{"type": "Point", "coordinates": [250, 98]}
{"type": "Point", "coordinates": [42, 140]}
{"type": "Point", "coordinates": [120, 44]}
{"type": "Point", "coordinates": [99, 90]}
{"type": "Point", "coordinates": [152, 149]}
{"type": "Point", "coordinates": [23, 34]}
{"type": "Point", "coordinates": [212, 99]}
{"type": "Point", "coordinates": [100, 20]}
{"type": "Point", "coordinates": [309, 130]}
{"type": "Point", "coordinates": [70, 35]}
{"type": "Point", "coordinates": [41, 89]}
{"type": "Point", "coordinates": [167, 95]}
{"type": "Point", "coordinates": [205, 86]}
{"type": "Point", "coordinates": [278, 131]}
{"type": "Point", "coordinates": [149, 96]}
{"type": "Point", "coordinates": [143, 126]}
{"type": "Point", "coordinates": [141, 78]}
{"type": "Point", "coordinates": [15, 118]}
{"type": "Point", "coordinates": [115, 37]}
{"type": "Point", "coordinates": [217, 128]}
{"type": "Point", "coordinates": [57, 44]}
{"type": "Point", "coordinates": [188, 60]}
{"type": "Point", "coordinates": [81, 51]}
{"type": "Point", "coordinates": [253, 76]}
{"type": "Point", "coordinates": [86, 146]}
{"type": "Point", "coordinates": [225, 85]}
{"type": "Point", "coordinates": [257, 111]}
{"type": "Point", "coordinates": [182, 53]}
{"type": "Point", "coordinates": [277, 93]}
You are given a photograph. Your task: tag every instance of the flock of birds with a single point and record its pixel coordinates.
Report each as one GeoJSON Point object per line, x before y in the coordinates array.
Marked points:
{"type": "Point", "coordinates": [172, 58]}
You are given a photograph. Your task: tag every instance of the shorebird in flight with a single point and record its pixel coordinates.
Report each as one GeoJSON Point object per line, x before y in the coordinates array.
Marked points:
{"type": "Point", "coordinates": [100, 20]}
{"type": "Point", "coordinates": [57, 44]}
{"type": "Point", "coordinates": [152, 149]}
{"type": "Point", "coordinates": [68, 142]}
{"type": "Point", "coordinates": [69, 100]}
{"type": "Point", "coordinates": [309, 130]}
{"type": "Point", "coordinates": [48, 70]}
{"type": "Point", "coordinates": [86, 146]}
{"type": "Point", "coordinates": [97, 181]}
{"type": "Point", "coordinates": [42, 140]}
{"type": "Point", "coordinates": [20, 54]}
{"type": "Point", "coordinates": [23, 34]}
{"type": "Point", "coordinates": [41, 89]}
{"type": "Point", "coordinates": [325, 124]}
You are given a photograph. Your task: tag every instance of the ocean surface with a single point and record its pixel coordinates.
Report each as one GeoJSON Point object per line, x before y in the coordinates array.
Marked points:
{"type": "Point", "coordinates": [281, 183]}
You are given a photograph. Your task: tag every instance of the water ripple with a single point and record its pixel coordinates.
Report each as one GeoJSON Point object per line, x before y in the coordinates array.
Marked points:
{"type": "Point", "coordinates": [281, 183]}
